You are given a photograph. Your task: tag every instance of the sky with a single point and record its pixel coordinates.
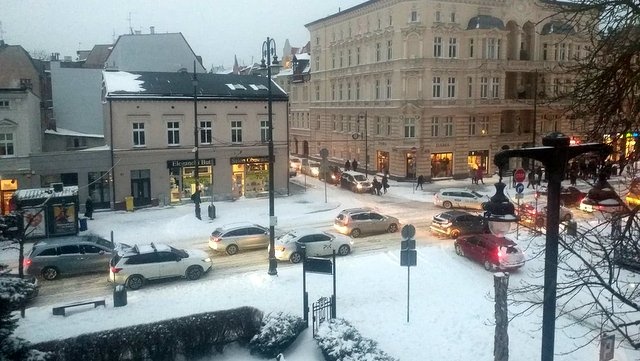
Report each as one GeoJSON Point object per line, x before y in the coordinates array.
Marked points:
{"type": "Point", "coordinates": [451, 308]}
{"type": "Point", "coordinates": [216, 29]}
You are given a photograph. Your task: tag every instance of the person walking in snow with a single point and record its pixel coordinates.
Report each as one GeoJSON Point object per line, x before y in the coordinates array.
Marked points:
{"type": "Point", "coordinates": [347, 166]}
{"type": "Point", "coordinates": [385, 183]}
{"type": "Point", "coordinates": [354, 165]}
{"type": "Point", "coordinates": [420, 182]}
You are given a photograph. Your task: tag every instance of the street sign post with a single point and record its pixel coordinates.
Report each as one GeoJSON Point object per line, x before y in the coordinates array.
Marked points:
{"type": "Point", "coordinates": [519, 188]}
{"type": "Point", "coordinates": [408, 255]}
{"type": "Point", "coordinates": [519, 175]}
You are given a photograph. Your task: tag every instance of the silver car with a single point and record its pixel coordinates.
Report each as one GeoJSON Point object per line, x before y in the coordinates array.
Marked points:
{"type": "Point", "coordinates": [234, 237]}
{"type": "Point", "coordinates": [459, 198]}
{"type": "Point", "coordinates": [53, 257]}
{"type": "Point", "coordinates": [358, 221]}
{"type": "Point", "coordinates": [288, 247]}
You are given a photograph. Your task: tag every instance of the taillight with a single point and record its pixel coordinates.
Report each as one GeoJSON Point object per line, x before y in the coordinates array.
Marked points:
{"type": "Point", "coordinates": [215, 239]}
{"type": "Point", "coordinates": [115, 269]}
{"type": "Point", "coordinates": [26, 262]}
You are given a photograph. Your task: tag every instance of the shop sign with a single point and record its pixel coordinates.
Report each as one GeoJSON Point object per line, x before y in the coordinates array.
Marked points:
{"type": "Point", "coordinates": [443, 145]}
{"type": "Point", "coordinates": [249, 160]}
{"type": "Point", "coordinates": [190, 163]}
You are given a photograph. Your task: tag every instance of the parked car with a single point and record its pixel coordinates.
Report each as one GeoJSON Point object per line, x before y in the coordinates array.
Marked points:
{"type": "Point", "coordinates": [31, 293]}
{"type": "Point", "coordinates": [356, 182]}
{"type": "Point", "coordinates": [311, 168]}
{"type": "Point", "coordinates": [358, 221]}
{"type": "Point", "coordinates": [332, 175]}
{"type": "Point", "coordinates": [288, 247]}
{"type": "Point", "coordinates": [238, 236]}
{"type": "Point", "coordinates": [292, 172]}
{"type": "Point", "coordinates": [295, 163]}
{"type": "Point", "coordinates": [456, 223]}
{"type": "Point", "coordinates": [134, 266]}
{"type": "Point", "coordinates": [459, 198]}
{"type": "Point", "coordinates": [569, 196]}
{"type": "Point", "coordinates": [70, 255]}
{"type": "Point", "coordinates": [492, 251]}
{"type": "Point", "coordinates": [536, 214]}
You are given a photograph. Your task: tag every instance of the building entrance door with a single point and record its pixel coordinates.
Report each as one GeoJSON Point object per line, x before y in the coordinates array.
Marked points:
{"type": "Point", "coordinates": [141, 187]}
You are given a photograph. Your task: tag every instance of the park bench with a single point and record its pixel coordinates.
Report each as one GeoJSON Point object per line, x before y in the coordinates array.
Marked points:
{"type": "Point", "coordinates": [60, 310]}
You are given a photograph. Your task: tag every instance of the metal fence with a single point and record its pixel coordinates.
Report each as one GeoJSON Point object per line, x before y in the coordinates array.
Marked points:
{"type": "Point", "coordinates": [321, 312]}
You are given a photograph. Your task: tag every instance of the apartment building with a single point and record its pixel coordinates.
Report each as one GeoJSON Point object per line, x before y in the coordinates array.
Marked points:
{"type": "Point", "coordinates": [433, 87]}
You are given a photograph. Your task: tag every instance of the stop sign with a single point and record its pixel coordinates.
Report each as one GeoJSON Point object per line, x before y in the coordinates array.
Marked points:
{"type": "Point", "coordinates": [519, 175]}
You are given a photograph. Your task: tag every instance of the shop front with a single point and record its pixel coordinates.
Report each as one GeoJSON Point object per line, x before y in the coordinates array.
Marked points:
{"type": "Point", "coordinates": [382, 161]}
{"type": "Point", "coordinates": [7, 188]}
{"type": "Point", "coordinates": [182, 181]}
{"type": "Point", "coordinates": [442, 165]}
{"type": "Point", "coordinates": [249, 176]}
{"type": "Point", "coordinates": [478, 159]}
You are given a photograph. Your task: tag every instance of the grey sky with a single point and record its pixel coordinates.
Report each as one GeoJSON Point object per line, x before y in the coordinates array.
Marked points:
{"type": "Point", "coordinates": [216, 29]}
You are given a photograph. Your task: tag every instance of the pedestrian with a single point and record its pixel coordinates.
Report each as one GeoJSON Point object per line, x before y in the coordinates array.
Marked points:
{"type": "Point", "coordinates": [385, 182]}
{"type": "Point", "coordinates": [472, 175]}
{"type": "Point", "coordinates": [420, 182]}
{"type": "Point", "coordinates": [539, 175]}
{"type": "Point", "coordinates": [195, 197]}
{"type": "Point", "coordinates": [88, 208]}
{"type": "Point", "coordinates": [347, 166]}
{"type": "Point", "coordinates": [354, 165]}
{"type": "Point", "coordinates": [376, 186]}
{"type": "Point", "coordinates": [480, 175]}
{"type": "Point", "coordinates": [573, 177]}
{"type": "Point", "coordinates": [531, 180]}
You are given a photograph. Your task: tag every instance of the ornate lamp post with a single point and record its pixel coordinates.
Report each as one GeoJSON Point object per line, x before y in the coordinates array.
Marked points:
{"type": "Point", "coordinates": [554, 153]}
{"type": "Point", "coordinates": [195, 140]}
{"type": "Point", "coordinates": [269, 49]}
{"type": "Point", "coordinates": [363, 117]}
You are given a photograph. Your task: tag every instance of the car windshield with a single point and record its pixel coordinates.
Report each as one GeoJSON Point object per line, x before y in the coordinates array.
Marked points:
{"type": "Point", "coordinates": [180, 252]}
{"type": "Point", "coordinates": [217, 232]}
{"type": "Point", "coordinates": [360, 177]}
{"type": "Point", "coordinates": [477, 194]}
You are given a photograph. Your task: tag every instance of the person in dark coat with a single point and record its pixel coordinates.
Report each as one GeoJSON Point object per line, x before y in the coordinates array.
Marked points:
{"type": "Point", "coordinates": [420, 182]}
{"type": "Point", "coordinates": [539, 175]}
{"type": "Point", "coordinates": [385, 183]}
{"type": "Point", "coordinates": [480, 175]}
{"type": "Point", "coordinates": [531, 180]}
{"type": "Point", "coordinates": [354, 165]}
{"type": "Point", "coordinates": [376, 186]}
{"type": "Point", "coordinates": [347, 166]}
{"type": "Point", "coordinates": [88, 208]}
{"type": "Point", "coordinates": [195, 197]}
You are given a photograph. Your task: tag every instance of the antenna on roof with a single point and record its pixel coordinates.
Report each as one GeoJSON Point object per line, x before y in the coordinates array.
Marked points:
{"type": "Point", "coordinates": [130, 27]}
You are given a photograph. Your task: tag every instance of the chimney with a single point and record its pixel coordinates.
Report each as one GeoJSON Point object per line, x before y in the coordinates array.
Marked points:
{"type": "Point", "coordinates": [137, 32]}
{"type": "Point", "coordinates": [152, 30]}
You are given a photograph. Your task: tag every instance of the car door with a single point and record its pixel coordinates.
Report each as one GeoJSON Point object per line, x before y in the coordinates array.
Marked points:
{"type": "Point", "coordinates": [236, 236]}
{"type": "Point", "coordinates": [324, 244]}
{"type": "Point", "coordinates": [144, 264]}
{"type": "Point", "coordinates": [95, 258]}
{"type": "Point", "coordinates": [256, 238]}
{"type": "Point", "coordinates": [362, 221]}
{"type": "Point", "coordinates": [456, 199]}
{"type": "Point", "coordinates": [471, 248]}
{"type": "Point", "coordinates": [69, 259]}
{"type": "Point", "coordinates": [309, 244]}
{"type": "Point", "coordinates": [378, 223]}
{"type": "Point", "coordinates": [169, 264]}
{"type": "Point", "coordinates": [344, 181]}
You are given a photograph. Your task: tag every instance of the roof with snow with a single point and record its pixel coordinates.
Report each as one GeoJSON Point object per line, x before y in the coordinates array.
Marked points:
{"type": "Point", "coordinates": [120, 85]}
{"type": "Point", "coordinates": [71, 133]}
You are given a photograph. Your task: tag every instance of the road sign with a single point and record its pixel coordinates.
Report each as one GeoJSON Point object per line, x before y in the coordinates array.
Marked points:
{"type": "Point", "coordinates": [519, 175]}
{"type": "Point", "coordinates": [408, 244]}
{"type": "Point", "coordinates": [408, 231]}
{"type": "Point", "coordinates": [519, 188]}
{"type": "Point", "coordinates": [408, 257]}
{"type": "Point", "coordinates": [318, 265]}
{"type": "Point", "coordinates": [519, 196]}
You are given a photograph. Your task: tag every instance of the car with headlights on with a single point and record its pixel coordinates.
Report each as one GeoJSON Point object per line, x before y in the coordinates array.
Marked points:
{"type": "Point", "coordinates": [358, 221]}
{"type": "Point", "coordinates": [234, 237]}
{"type": "Point", "coordinates": [311, 168]}
{"type": "Point", "coordinates": [331, 175]}
{"type": "Point", "coordinates": [356, 182]}
{"type": "Point", "coordinates": [134, 266]}
{"type": "Point", "coordinates": [289, 246]}
{"type": "Point", "coordinates": [493, 252]}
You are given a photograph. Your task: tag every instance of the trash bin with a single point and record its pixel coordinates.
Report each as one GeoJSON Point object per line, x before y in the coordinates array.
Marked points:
{"type": "Point", "coordinates": [83, 223]}
{"type": "Point", "coordinates": [212, 211]}
{"type": "Point", "coordinates": [128, 201]}
{"type": "Point", "coordinates": [119, 296]}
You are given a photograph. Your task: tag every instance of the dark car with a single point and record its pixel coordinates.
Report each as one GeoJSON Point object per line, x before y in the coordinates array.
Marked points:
{"type": "Point", "coordinates": [492, 251]}
{"type": "Point", "coordinates": [331, 175]}
{"type": "Point", "coordinates": [456, 223]}
{"type": "Point", "coordinates": [569, 196]}
{"type": "Point", "coordinates": [356, 182]}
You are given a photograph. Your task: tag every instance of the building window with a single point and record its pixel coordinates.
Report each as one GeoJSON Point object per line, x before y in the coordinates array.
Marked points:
{"type": "Point", "coordinates": [348, 91]}
{"type": "Point", "coordinates": [378, 126]}
{"type": "Point", "coordinates": [453, 47]}
{"type": "Point", "coordinates": [317, 63]}
{"type": "Point", "coordinates": [390, 20]}
{"type": "Point", "coordinates": [318, 122]}
{"type": "Point", "coordinates": [388, 125]}
{"type": "Point", "coordinates": [484, 125]}
{"type": "Point", "coordinates": [453, 17]}
{"type": "Point", "coordinates": [435, 126]}
{"type": "Point", "coordinates": [472, 125]}
{"type": "Point", "coordinates": [470, 87]}
{"type": "Point", "coordinates": [471, 48]}
{"type": "Point", "coordinates": [138, 135]}
{"type": "Point", "coordinates": [206, 132]}
{"type": "Point", "coordinates": [4, 104]}
{"type": "Point", "coordinates": [388, 88]}
{"type": "Point", "coordinates": [317, 92]}
{"type": "Point", "coordinates": [484, 87]}
{"type": "Point", "coordinates": [545, 48]}
{"type": "Point", "coordinates": [6, 145]}
{"type": "Point", "coordinates": [342, 123]}
{"type": "Point", "coordinates": [389, 49]}
{"type": "Point", "coordinates": [357, 90]}
{"type": "Point", "coordinates": [563, 51]}
{"type": "Point", "coordinates": [451, 87]}
{"type": "Point", "coordinates": [438, 18]}
{"type": "Point", "coordinates": [378, 46]}
{"type": "Point", "coordinates": [340, 91]}
{"type": "Point", "coordinates": [173, 133]}
{"type": "Point", "coordinates": [334, 123]}
{"type": "Point", "coordinates": [349, 57]}
{"type": "Point", "coordinates": [437, 47]}
{"type": "Point", "coordinates": [377, 89]}
{"type": "Point", "coordinates": [358, 56]}
{"type": "Point", "coordinates": [333, 92]}
{"type": "Point", "coordinates": [236, 131]}
{"type": "Point", "coordinates": [341, 63]}
{"type": "Point", "coordinates": [448, 127]}
{"type": "Point", "coordinates": [495, 88]}
{"type": "Point", "coordinates": [414, 16]}
{"type": "Point", "coordinates": [264, 130]}
{"type": "Point", "coordinates": [493, 48]}
{"type": "Point", "coordinates": [436, 87]}
{"type": "Point", "coordinates": [333, 60]}
{"type": "Point", "coordinates": [410, 128]}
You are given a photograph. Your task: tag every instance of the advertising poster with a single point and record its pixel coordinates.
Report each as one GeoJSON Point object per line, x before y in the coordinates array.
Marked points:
{"type": "Point", "coordinates": [64, 218]}
{"type": "Point", "coordinates": [35, 224]}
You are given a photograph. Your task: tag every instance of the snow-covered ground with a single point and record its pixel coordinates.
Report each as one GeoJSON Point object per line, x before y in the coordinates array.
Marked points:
{"type": "Point", "coordinates": [450, 307]}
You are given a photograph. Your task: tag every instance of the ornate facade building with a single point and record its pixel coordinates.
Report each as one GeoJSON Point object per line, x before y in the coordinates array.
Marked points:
{"type": "Point", "coordinates": [432, 87]}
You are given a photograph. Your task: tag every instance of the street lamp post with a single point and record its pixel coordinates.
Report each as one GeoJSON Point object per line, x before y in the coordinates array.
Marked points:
{"type": "Point", "coordinates": [195, 140]}
{"type": "Point", "coordinates": [269, 49]}
{"type": "Point", "coordinates": [363, 116]}
{"type": "Point", "coordinates": [554, 153]}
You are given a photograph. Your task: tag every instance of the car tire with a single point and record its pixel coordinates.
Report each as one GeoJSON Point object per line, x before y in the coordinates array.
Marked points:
{"type": "Point", "coordinates": [392, 228]}
{"type": "Point", "coordinates": [232, 249]}
{"type": "Point", "coordinates": [194, 272]}
{"type": "Point", "coordinates": [295, 257]}
{"type": "Point", "coordinates": [447, 204]}
{"type": "Point", "coordinates": [488, 265]}
{"type": "Point", "coordinates": [355, 233]}
{"type": "Point", "coordinates": [50, 273]}
{"type": "Point", "coordinates": [459, 250]}
{"type": "Point", "coordinates": [344, 250]}
{"type": "Point", "coordinates": [454, 233]}
{"type": "Point", "coordinates": [135, 282]}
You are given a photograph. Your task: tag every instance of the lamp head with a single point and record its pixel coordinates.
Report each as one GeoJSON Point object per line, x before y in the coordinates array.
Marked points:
{"type": "Point", "coordinates": [499, 212]}
{"type": "Point", "coordinates": [275, 60]}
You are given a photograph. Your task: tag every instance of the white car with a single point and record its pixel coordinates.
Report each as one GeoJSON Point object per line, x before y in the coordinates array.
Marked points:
{"type": "Point", "coordinates": [295, 163]}
{"type": "Point", "coordinates": [134, 266]}
{"type": "Point", "coordinates": [288, 247]}
{"type": "Point", "coordinates": [459, 198]}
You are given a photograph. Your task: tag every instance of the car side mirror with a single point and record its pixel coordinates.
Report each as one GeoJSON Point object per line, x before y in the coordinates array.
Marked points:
{"type": "Point", "coordinates": [178, 259]}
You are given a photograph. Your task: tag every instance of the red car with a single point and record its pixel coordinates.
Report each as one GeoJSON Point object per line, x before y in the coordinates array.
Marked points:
{"type": "Point", "coordinates": [495, 253]}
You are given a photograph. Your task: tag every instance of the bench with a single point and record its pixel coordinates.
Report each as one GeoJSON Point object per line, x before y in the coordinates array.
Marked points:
{"type": "Point", "coordinates": [60, 310]}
